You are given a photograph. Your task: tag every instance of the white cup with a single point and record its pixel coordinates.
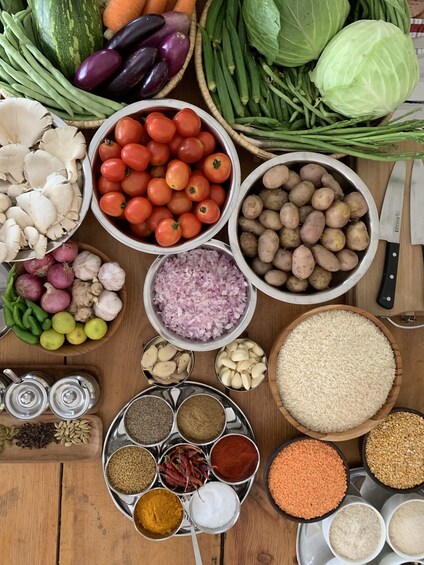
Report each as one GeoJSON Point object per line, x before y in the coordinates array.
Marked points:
{"type": "Point", "coordinates": [394, 559]}
{"type": "Point", "coordinates": [389, 508]}
{"type": "Point", "coordinates": [326, 526]}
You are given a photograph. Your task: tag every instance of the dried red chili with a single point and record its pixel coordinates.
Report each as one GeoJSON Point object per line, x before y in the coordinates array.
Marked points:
{"type": "Point", "coordinates": [234, 458]}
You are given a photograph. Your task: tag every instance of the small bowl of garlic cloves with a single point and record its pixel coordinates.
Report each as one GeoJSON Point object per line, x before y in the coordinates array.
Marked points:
{"type": "Point", "coordinates": [165, 365]}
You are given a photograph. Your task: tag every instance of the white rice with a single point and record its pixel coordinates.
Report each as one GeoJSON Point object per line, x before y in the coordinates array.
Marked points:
{"type": "Point", "coordinates": [334, 371]}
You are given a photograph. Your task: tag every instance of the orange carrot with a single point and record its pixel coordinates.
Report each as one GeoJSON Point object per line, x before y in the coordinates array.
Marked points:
{"type": "Point", "coordinates": [120, 12]}
{"type": "Point", "coordinates": [154, 7]}
{"type": "Point", "coordinates": [186, 6]}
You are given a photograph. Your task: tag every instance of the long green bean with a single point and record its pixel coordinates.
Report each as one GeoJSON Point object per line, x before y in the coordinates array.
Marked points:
{"type": "Point", "coordinates": [231, 88]}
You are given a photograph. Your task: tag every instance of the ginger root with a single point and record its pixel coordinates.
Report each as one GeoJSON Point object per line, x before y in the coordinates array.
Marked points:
{"type": "Point", "coordinates": [84, 294]}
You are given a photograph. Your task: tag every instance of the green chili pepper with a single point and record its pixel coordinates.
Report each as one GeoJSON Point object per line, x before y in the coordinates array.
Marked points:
{"type": "Point", "coordinates": [8, 316]}
{"type": "Point", "coordinates": [25, 320]}
{"type": "Point", "coordinates": [9, 294]}
{"type": "Point", "coordinates": [38, 312]}
{"type": "Point", "coordinates": [35, 327]}
{"type": "Point", "coordinates": [47, 324]}
{"type": "Point", "coordinates": [25, 335]}
{"type": "Point", "coordinates": [17, 316]}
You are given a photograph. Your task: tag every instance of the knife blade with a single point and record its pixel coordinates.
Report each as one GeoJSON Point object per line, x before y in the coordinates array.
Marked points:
{"type": "Point", "coordinates": [417, 204]}
{"type": "Point", "coordinates": [390, 222]}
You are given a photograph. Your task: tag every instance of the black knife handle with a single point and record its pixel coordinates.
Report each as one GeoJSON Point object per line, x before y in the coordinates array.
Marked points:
{"type": "Point", "coordinates": [386, 294]}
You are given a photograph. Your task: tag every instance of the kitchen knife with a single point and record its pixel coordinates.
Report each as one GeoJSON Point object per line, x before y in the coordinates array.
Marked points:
{"type": "Point", "coordinates": [390, 220]}
{"type": "Point", "coordinates": [417, 204]}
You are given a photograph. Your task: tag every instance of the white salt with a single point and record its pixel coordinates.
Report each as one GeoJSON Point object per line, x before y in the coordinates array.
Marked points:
{"type": "Point", "coordinates": [213, 505]}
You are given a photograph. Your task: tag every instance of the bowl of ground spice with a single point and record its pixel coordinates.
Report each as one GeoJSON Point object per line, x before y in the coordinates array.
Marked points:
{"type": "Point", "coordinates": [234, 458]}
{"type": "Point", "coordinates": [158, 514]}
{"type": "Point", "coordinates": [393, 452]}
{"type": "Point", "coordinates": [148, 420]}
{"type": "Point", "coordinates": [306, 479]}
{"type": "Point", "coordinates": [201, 419]}
{"type": "Point", "coordinates": [131, 470]}
{"type": "Point", "coordinates": [404, 516]}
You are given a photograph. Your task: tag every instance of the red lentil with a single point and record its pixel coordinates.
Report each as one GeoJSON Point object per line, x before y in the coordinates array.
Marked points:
{"type": "Point", "coordinates": [307, 479]}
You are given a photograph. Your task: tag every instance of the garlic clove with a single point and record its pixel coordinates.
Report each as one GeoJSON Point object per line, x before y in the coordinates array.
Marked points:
{"type": "Point", "coordinates": [223, 355]}
{"type": "Point", "coordinates": [257, 350]}
{"type": "Point", "coordinates": [166, 353]}
{"type": "Point", "coordinates": [183, 363]}
{"type": "Point", "coordinates": [150, 356]}
{"type": "Point", "coordinates": [229, 363]}
{"type": "Point", "coordinates": [258, 370]}
{"type": "Point", "coordinates": [225, 376]}
{"type": "Point", "coordinates": [246, 380]}
{"type": "Point", "coordinates": [236, 381]}
{"type": "Point", "coordinates": [232, 346]}
{"type": "Point", "coordinates": [240, 355]}
{"type": "Point", "coordinates": [258, 380]}
{"type": "Point", "coordinates": [249, 344]}
{"type": "Point", "coordinates": [245, 365]}
{"type": "Point", "coordinates": [164, 369]}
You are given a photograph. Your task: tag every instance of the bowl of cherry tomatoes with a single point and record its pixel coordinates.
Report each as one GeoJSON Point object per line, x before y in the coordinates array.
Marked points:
{"type": "Point", "coordinates": [165, 176]}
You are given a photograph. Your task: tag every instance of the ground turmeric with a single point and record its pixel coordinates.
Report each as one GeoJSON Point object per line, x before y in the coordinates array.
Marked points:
{"type": "Point", "coordinates": [159, 511]}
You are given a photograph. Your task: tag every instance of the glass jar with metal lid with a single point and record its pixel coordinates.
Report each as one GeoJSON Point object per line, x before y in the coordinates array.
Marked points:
{"type": "Point", "coordinates": [74, 395]}
{"type": "Point", "coordinates": [27, 396]}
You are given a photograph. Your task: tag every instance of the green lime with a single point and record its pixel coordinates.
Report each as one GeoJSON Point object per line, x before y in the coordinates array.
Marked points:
{"type": "Point", "coordinates": [95, 328]}
{"type": "Point", "coordinates": [77, 335]}
{"type": "Point", "coordinates": [51, 340]}
{"type": "Point", "coordinates": [63, 322]}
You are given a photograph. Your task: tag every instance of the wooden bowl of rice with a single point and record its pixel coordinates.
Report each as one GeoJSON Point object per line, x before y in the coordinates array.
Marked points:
{"type": "Point", "coordinates": [335, 372]}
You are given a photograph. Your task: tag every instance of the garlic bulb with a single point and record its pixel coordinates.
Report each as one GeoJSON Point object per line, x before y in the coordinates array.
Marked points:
{"type": "Point", "coordinates": [112, 276]}
{"type": "Point", "coordinates": [86, 265]}
{"type": "Point", "coordinates": [108, 306]}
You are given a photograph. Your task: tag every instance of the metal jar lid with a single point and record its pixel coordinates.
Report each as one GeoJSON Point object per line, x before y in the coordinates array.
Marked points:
{"type": "Point", "coordinates": [69, 399]}
{"type": "Point", "coordinates": [26, 400]}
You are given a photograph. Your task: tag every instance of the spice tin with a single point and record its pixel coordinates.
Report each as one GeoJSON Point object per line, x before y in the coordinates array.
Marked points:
{"type": "Point", "coordinates": [252, 472]}
{"type": "Point", "coordinates": [74, 395]}
{"type": "Point", "coordinates": [197, 422]}
{"type": "Point", "coordinates": [160, 416]}
{"type": "Point", "coordinates": [28, 398]}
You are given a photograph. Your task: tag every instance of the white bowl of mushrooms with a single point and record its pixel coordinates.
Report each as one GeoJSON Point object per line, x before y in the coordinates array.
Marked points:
{"type": "Point", "coordinates": [45, 180]}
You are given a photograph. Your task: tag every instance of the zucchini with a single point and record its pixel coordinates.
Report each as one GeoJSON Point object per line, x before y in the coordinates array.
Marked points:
{"type": "Point", "coordinates": [67, 31]}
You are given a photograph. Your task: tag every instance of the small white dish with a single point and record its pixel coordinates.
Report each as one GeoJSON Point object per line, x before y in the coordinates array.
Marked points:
{"type": "Point", "coordinates": [390, 507]}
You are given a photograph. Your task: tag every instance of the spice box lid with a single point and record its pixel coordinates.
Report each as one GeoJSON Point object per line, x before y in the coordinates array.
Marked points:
{"type": "Point", "coordinates": [4, 270]}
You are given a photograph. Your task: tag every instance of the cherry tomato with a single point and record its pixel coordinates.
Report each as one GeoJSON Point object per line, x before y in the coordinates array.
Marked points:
{"type": "Point", "coordinates": [174, 144]}
{"type": "Point", "coordinates": [158, 214]}
{"type": "Point", "coordinates": [190, 150]}
{"type": "Point", "coordinates": [128, 130]}
{"type": "Point", "coordinates": [152, 115]}
{"type": "Point", "coordinates": [137, 210]}
{"type": "Point", "coordinates": [142, 229]}
{"type": "Point", "coordinates": [179, 203]}
{"type": "Point", "coordinates": [158, 172]}
{"type": "Point", "coordinates": [161, 129]}
{"type": "Point", "coordinates": [199, 165]}
{"type": "Point", "coordinates": [168, 232]}
{"type": "Point", "coordinates": [159, 153]}
{"type": "Point", "coordinates": [217, 167]}
{"type": "Point", "coordinates": [135, 183]}
{"type": "Point", "coordinates": [190, 225]}
{"type": "Point", "coordinates": [208, 142]}
{"type": "Point", "coordinates": [218, 194]}
{"type": "Point", "coordinates": [136, 156]}
{"type": "Point", "coordinates": [197, 188]}
{"type": "Point", "coordinates": [188, 122]}
{"type": "Point", "coordinates": [208, 211]}
{"type": "Point", "coordinates": [105, 185]}
{"type": "Point", "coordinates": [177, 174]}
{"type": "Point", "coordinates": [109, 150]}
{"type": "Point", "coordinates": [113, 169]}
{"type": "Point", "coordinates": [159, 192]}
{"type": "Point", "coordinates": [113, 204]}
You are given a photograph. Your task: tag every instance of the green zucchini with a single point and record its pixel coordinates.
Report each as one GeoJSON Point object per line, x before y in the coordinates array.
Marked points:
{"type": "Point", "coordinates": [67, 31]}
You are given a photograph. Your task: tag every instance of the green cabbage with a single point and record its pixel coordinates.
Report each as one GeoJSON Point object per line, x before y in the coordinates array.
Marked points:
{"type": "Point", "coordinates": [367, 69]}
{"type": "Point", "coordinates": [293, 32]}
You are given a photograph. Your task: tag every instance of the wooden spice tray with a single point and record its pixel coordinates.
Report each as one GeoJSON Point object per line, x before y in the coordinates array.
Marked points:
{"type": "Point", "coordinates": [54, 452]}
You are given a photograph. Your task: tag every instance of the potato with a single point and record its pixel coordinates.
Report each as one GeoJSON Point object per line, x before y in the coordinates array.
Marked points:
{"type": "Point", "coordinates": [357, 237]}
{"type": "Point", "coordinates": [303, 262]}
{"type": "Point", "coordinates": [259, 267]}
{"type": "Point", "coordinates": [275, 277]}
{"type": "Point", "coordinates": [271, 220]}
{"type": "Point", "coordinates": [293, 180]}
{"type": "Point", "coordinates": [338, 215]}
{"type": "Point", "coordinates": [252, 206]}
{"type": "Point", "coordinates": [276, 176]}
{"type": "Point", "coordinates": [322, 198]}
{"type": "Point", "coordinates": [283, 260]}
{"type": "Point", "coordinates": [302, 193]}
{"type": "Point", "coordinates": [320, 278]}
{"type": "Point", "coordinates": [274, 199]}
{"type": "Point", "coordinates": [330, 182]}
{"type": "Point", "coordinates": [251, 226]}
{"type": "Point", "coordinates": [313, 173]}
{"type": "Point", "coordinates": [268, 244]}
{"type": "Point", "coordinates": [249, 244]}
{"type": "Point", "coordinates": [313, 227]}
{"type": "Point", "coordinates": [304, 212]}
{"type": "Point", "coordinates": [348, 259]}
{"type": "Point", "coordinates": [290, 239]}
{"type": "Point", "coordinates": [294, 284]}
{"type": "Point", "coordinates": [357, 204]}
{"type": "Point", "coordinates": [325, 258]}
{"type": "Point", "coordinates": [289, 216]}
{"type": "Point", "coordinates": [333, 239]}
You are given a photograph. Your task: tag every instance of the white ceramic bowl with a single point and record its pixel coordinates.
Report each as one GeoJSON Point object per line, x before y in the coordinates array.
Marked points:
{"type": "Point", "coordinates": [388, 510]}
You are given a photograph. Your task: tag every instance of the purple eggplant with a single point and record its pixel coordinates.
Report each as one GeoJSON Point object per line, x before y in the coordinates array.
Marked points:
{"type": "Point", "coordinates": [128, 38]}
{"type": "Point", "coordinates": [174, 21]}
{"type": "Point", "coordinates": [97, 68]}
{"type": "Point", "coordinates": [174, 49]}
{"type": "Point", "coordinates": [152, 83]}
{"type": "Point", "coordinates": [131, 72]}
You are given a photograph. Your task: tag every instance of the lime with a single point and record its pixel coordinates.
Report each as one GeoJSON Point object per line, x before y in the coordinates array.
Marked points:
{"type": "Point", "coordinates": [51, 340]}
{"type": "Point", "coordinates": [63, 322]}
{"type": "Point", "coordinates": [95, 328]}
{"type": "Point", "coordinates": [77, 335]}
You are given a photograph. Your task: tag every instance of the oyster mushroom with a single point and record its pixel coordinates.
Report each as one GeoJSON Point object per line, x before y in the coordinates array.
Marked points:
{"type": "Point", "coordinates": [58, 190]}
{"type": "Point", "coordinates": [10, 234]}
{"type": "Point", "coordinates": [40, 208]}
{"type": "Point", "coordinates": [36, 241]}
{"type": "Point", "coordinates": [39, 164]}
{"type": "Point", "coordinates": [5, 202]}
{"type": "Point", "coordinates": [15, 190]}
{"type": "Point", "coordinates": [12, 162]}
{"type": "Point", "coordinates": [67, 144]}
{"type": "Point", "coordinates": [20, 216]}
{"type": "Point", "coordinates": [4, 186]}
{"type": "Point", "coordinates": [76, 202]}
{"type": "Point", "coordinates": [23, 121]}
{"type": "Point", "coordinates": [3, 252]}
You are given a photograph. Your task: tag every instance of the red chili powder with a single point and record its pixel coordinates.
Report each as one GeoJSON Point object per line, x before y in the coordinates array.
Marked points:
{"type": "Point", "coordinates": [307, 479]}
{"type": "Point", "coordinates": [234, 458]}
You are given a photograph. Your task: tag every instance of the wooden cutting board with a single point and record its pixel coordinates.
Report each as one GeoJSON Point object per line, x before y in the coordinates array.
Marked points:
{"type": "Point", "coordinates": [410, 282]}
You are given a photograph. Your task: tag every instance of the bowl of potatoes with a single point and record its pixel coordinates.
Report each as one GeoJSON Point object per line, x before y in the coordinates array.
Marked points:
{"type": "Point", "coordinates": [305, 228]}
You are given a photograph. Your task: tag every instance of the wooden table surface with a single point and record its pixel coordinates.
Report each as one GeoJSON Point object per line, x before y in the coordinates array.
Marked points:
{"type": "Point", "coordinates": [62, 513]}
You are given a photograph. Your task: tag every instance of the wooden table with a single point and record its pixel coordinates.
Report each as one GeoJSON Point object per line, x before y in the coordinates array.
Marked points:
{"type": "Point", "coordinates": [62, 513]}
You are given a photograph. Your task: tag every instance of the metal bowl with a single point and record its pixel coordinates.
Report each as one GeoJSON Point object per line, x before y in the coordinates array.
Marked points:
{"type": "Point", "coordinates": [151, 535]}
{"type": "Point", "coordinates": [151, 378]}
{"type": "Point", "coordinates": [195, 345]}
{"type": "Point", "coordinates": [242, 389]}
{"type": "Point", "coordinates": [350, 181]}
{"type": "Point", "coordinates": [138, 110]}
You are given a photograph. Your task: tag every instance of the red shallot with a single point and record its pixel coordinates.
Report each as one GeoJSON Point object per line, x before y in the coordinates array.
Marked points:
{"type": "Point", "coordinates": [54, 300]}
{"type": "Point", "coordinates": [29, 287]}
{"type": "Point", "coordinates": [61, 275]}
{"type": "Point", "coordinates": [39, 267]}
{"type": "Point", "coordinates": [66, 253]}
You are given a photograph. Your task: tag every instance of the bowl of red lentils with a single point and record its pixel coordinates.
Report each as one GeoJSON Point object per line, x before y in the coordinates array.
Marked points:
{"type": "Point", "coordinates": [306, 479]}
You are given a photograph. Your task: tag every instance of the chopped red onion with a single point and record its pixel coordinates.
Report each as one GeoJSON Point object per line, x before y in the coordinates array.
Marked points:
{"type": "Point", "coordinates": [200, 294]}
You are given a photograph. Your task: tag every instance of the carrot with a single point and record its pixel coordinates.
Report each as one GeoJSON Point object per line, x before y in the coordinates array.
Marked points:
{"type": "Point", "coordinates": [154, 7]}
{"type": "Point", "coordinates": [118, 13]}
{"type": "Point", "coordinates": [186, 6]}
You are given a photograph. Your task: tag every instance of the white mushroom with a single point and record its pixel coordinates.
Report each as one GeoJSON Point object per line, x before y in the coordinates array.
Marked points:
{"type": "Point", "coordinates": [12, 161]}
{"type": "Point", "coordinates": [32, 236]}
{"type": "Point", "coordinates": [40, 247]}
{"type": "Point", "coordinates": [10, 234]}
{"type": "Point", "coordinates": [58, 190]}
{"type": "Point", "coordinates": [55, 231]}
{"type": "Point", "coordinates": [68, 144]}
{"type": "Point", "coordinates": [4, 185]}
{"type": "Point", "coordinates": [39, 165]}
{"type": "Point", "coordinates": [40, 208]}
{"type": "Point", "coordinates": [2, 218]}
{"type": "Point", "coordinates": [76, 203]}
{"type": "Point", "coordinates": [68, 224]}
{"type": "Point", "coordinates": [15, 190]}
{"type": "Point", "coordinates": [5, 202]}
{"type": "Point", "coordinates": [22, 218]}
{"type": "Point", "coordinates": [23, 121]}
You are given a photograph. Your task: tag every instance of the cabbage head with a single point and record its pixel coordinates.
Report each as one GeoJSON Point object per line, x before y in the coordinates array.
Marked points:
{"type": "Point", "coordinates": [367, 69]}
{"type": "Point", "coordinates": [293, 32]}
